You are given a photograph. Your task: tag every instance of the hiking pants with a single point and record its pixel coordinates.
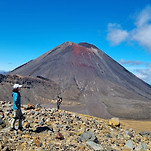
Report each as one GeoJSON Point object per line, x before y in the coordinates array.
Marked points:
{"type": "Point", "coordinates": [58, 105]}
{"type": "Point", "coordinates": [17, 115]}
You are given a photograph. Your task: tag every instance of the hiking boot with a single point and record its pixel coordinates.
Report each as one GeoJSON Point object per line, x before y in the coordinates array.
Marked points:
{"type": "Point", "coordinates": [20, 128]}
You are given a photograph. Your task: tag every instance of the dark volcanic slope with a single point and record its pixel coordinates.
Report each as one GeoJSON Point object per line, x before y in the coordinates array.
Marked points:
{"type": "Point", "coordinates": [91, 81]}
{"type": "Point", "coordinates": [35, 90]}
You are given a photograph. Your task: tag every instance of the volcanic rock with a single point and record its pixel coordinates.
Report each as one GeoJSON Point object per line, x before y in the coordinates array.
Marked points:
{"type": "Point", "coordinates": [51, 137]}
{"type": "Point", "coordinates": [114, 122]}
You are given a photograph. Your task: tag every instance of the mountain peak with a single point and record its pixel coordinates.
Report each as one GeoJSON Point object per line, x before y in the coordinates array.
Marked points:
{"type": "Point", "coordinates": [68, 43]}
{"type": "Point", "coordinates": [87, 45]}
{"type": "Point", "coordinates": [83, 44]}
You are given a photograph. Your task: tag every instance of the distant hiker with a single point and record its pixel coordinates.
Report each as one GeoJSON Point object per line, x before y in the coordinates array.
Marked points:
{"type": "Point", "coordinates": [59, 101]}
{"type": "Point", "coordinates": [16, 107]}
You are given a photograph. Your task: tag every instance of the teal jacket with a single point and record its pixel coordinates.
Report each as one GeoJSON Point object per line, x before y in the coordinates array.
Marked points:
{"type": "Point", "coordinates": [16, 100]}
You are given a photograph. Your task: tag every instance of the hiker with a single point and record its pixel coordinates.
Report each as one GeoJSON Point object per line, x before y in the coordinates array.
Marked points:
{"type": "Point", "coordinates": [59, 101]}
{"type": "Point", "coordinates": [16, 107]}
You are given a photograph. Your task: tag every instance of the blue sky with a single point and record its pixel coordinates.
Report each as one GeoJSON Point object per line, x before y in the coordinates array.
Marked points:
{"type": "Point", "coordinates": [120, 28]}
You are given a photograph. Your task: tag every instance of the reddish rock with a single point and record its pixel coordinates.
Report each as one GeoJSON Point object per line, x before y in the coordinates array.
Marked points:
{"type": "Point", "coordinates": [30, 106]}
{"type": "Point", "coordinates": [59, 136]}
{"type": "Point", "coordinates": [38, 143]}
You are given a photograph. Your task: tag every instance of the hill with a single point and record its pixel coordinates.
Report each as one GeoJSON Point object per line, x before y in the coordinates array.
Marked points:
{"type": "Point", "coordinates": [49, 129]}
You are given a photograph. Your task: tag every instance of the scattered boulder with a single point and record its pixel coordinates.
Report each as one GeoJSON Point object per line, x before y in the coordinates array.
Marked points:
{"type": "Point", "coordinates": [30, 106]}
{"type": "Point", "coordinates": [25, 106]}
{"type": "Point", "coordinates": [128, 133]}
{"type": "Point", "coordinates": [114, 122]}
{"type": "Point", "coordinates": [38, 143]}
{"type": "Point", "coordinates": [145, 133]}
{"type": "Point", "coordinates": [1, 114]}
{"type": "Point", "coordinates": [88, 136]}
{"type": "Point", "coordinates": [129, 145]}
{"type": "Point", "coordinates": [26, 124]}
{"type": "Point", "coordinates": [38, 106]}
{"type": "Point", "coordinates": [95, 146]}
{"type": "Point", "coordinates": [59, 136]}
{"type": "Point", "coordinates": [141, 147]}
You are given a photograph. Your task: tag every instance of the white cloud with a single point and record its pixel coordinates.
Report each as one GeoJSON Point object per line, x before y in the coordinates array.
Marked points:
{"type": "Point", "coordinates": [144, 74]}
{"type": "Point", "coordinates": [141, 33]}
{"type": "Point", "coordinates": [130, 62]}
{"type": "Point", "coordinates": [141, 69]}
{"type": "Point", "coordinates": [143, 36]}
{"type": "Point", "coordinates": [144, 17]}
{"type": "Point", "coordinates": [141, 76]}
{"type": "Point", "coordinates": [116, 35]}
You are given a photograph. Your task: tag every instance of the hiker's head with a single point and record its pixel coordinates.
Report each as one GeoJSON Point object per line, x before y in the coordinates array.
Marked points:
{"type": "Point", "coordinates": [59, 97]}
{"type": "Point", "coordinates": [16, 87]}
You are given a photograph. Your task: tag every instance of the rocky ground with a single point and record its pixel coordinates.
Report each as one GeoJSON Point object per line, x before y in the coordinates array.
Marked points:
{"type": "Point", "coordinates": [52, 130]}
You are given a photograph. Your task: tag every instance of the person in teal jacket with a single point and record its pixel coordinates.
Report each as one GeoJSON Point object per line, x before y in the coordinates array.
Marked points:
{"type": "Point", "coordinates": [16, 106]}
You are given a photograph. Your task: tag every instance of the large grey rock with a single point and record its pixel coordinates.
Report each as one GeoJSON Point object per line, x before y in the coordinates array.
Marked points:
{"type": "Point", "coordinates": [38, 106]}
{"type": "Point", "coordinates": [129, 144]}
{"type": "Point", "coordinates": [88, 136]}
{"type": "Point", "coordinates": [95, 146]}
{"type": "Point", "coordinates": [141, 146]}
{"type": "Point", "coordinates": [128, 133]}
{"type": "Point", "coordinates": [7, 129]}
{"type": "Point", "coordinates": [145, 133]}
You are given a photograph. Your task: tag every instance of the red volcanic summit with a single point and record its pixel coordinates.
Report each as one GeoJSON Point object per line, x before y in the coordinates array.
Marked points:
{"type": "Point", "coordinates": [91, 82]}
